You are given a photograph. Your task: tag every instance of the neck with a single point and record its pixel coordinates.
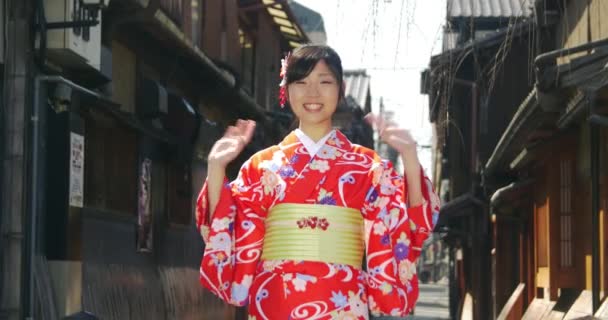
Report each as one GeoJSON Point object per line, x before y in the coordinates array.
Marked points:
{"type": "Point", "coordinates": [316, 132]}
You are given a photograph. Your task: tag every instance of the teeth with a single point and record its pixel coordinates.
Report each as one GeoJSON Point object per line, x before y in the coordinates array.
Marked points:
{"type": "Point", "coordinates": [313, 106]}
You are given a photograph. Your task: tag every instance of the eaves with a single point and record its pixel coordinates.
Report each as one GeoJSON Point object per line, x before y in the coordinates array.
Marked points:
{"type": "Point", "coordinates": [151, 19]}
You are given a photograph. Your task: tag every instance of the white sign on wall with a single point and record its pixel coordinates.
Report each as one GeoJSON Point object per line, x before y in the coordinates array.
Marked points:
{"type": "Point", "coordinates": [76, 170]}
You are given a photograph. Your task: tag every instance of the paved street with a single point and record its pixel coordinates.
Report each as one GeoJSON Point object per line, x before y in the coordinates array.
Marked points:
{"type": "Point", "coordinates": [432, 304]}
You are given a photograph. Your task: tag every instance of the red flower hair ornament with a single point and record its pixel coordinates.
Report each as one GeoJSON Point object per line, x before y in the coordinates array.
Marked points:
{"type": "Point", "coordinates": [283, 84]}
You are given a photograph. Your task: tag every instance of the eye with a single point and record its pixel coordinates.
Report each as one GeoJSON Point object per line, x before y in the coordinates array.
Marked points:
{"type": "Point", "coordinates": [327, 82]}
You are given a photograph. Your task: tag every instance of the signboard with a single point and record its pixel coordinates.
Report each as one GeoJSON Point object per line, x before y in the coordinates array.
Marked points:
{"type": "Point", "coordinates": [76, 170]}
{"type": "Point", "coordinates": [144, 214]}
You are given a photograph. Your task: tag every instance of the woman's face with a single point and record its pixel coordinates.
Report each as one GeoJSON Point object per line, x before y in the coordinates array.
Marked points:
{"type": "Point", "coordinates": [314, 99]}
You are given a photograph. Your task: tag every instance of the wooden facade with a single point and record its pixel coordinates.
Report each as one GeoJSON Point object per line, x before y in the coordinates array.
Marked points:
{"type": "Point", "coordinates": [173, 75]}
{"type": "Point", "coordinates": [561, 167]}
{"type": "Point", "coordinates": [542, 156]}
{"type": "Point", "coordinates": [470, 109]}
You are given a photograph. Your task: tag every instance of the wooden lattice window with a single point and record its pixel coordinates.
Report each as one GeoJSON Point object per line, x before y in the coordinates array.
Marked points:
{"type": "Point", "coordinates": [110, 165]}
{"type": "Point", "coordinates": [565, 234]}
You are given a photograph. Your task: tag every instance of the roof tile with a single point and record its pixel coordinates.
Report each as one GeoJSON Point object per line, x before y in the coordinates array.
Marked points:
{"type": "Point", "coordinates": [489, 8]}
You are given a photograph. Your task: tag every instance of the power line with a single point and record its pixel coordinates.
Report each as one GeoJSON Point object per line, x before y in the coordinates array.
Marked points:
{"type": "Point", "coordinates": [398, 34]}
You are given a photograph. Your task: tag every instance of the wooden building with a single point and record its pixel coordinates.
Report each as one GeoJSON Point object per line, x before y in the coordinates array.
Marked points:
{"type": "Point", "coordinates": [550, 219]}
{"type": "Point", "coordinates": [357, 103]}
{"type": "Point", "coordinates": [473, 90]}
{"type": "Point", "coordinates": [537, 172]}
{"type": "Point", "coordinates": [127, 100]}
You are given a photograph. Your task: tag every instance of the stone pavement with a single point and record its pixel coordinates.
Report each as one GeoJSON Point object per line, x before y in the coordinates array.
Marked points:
{"type": "Point", "coordinates": [432, 304]}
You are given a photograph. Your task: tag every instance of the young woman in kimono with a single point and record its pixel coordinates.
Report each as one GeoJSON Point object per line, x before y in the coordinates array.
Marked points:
{"type": "Point", "coordinates": [315, 227]}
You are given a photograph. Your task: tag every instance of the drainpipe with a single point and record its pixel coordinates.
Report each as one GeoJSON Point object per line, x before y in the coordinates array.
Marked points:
{"type": "Point", "coordinates": [33, 207]}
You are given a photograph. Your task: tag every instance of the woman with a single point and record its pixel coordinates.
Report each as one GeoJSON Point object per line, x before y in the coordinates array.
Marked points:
{"type": "Point", "coordinates": [291, 236]}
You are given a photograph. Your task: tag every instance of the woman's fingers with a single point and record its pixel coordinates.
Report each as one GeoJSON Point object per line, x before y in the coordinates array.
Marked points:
{"type": "Point", "coordinates": [242, 125]}
{"type": "Point", "coordinates": [376, 122]}
{"type": "Point", "coordinates": [241, 132]}
{"type": "Point", "coordinates": [398, 141]}
{"type": "Point", "coordinates": [371, 119]}
{"type": "Point", "coordinates": [399, 138]}
{"type": "Point", "coordinates": [380, 124]}
{"type": "Point", "coordinates": [235, 138]}
{"type": "Point", "coordinates": [396, 131]}
{"type": "Point", "coordinates": [249, 129]}
{"type": "Point", "coordinates": [232, 132]}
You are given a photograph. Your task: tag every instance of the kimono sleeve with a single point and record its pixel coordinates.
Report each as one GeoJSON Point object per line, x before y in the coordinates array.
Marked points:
{"type": "Point", "coordinates": [394, 237]}
{"type": "Point", "coordinates": [233, 238]}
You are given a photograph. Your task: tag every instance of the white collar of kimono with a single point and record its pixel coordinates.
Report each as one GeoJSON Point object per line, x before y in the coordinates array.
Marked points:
{"type": "Point", "coordinates": [311, 146]}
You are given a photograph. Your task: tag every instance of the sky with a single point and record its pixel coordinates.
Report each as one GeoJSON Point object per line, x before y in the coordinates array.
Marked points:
{"type": "Point", "coordinates": [393, 40]}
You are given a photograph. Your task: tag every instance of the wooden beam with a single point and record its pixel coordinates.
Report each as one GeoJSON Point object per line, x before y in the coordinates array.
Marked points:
{"type": "Point", "coordinates": [258, 6]}
{"type": "Point", "coordinates": [513, 309]}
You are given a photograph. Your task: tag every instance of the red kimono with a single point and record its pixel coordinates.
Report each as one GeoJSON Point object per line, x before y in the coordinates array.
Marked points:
{"type": "Point", "coordinates": [343, 176]}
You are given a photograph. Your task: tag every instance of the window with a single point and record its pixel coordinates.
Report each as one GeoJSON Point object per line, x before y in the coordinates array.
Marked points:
{"type": "Point", "coordinates": [182, 122]}
{"type": "Point", "coordinates": [247, 61]}
{"type": "Point", "coordinates": [174, 9]}
{"type": "Point", "coordinates": [565, 210]}
{"type": "Point", "coordinates": [196, 15]}
{"type": "Point", "coordinates": [110, 166]}
{"type": "Point", "coordinates": [179, 191]}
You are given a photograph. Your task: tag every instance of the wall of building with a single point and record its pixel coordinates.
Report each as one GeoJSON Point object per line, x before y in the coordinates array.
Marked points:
{"type": "Point", "coordinates": [581, 22]}
{"type": "Point", "coordinates": [268, 64]}
{"type": "Point", "coordinates": [220, 32]}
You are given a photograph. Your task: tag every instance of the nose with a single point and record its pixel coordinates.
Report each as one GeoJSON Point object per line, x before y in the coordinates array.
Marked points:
{"type": "Point", "coordinates": [312, 90]}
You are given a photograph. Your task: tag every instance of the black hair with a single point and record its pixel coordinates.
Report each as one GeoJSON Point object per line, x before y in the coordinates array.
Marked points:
{"type": "Point", "coordinates": [305, 58]}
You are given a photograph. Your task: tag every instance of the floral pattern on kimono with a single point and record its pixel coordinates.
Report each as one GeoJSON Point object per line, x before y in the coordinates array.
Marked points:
{"type": "Point", "coordinates": [340, 174]}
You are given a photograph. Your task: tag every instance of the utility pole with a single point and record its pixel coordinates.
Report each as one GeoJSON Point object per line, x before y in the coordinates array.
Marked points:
{"type": "Point", "coordinates": [15, 109]}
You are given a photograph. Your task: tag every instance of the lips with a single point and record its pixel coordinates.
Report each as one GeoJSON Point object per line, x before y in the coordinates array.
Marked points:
{"type": "Point", "coordinates": [313, 107]}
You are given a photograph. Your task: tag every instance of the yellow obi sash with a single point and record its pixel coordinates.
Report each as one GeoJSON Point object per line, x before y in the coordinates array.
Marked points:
{"type": "Point", "coordinates": [314, 232]}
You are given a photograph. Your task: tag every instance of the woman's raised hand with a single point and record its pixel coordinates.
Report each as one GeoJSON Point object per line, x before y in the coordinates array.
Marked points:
{"type": "Point", "coordinates": [399, 138]}
{"type": "Point", "coordinates": [402, 141]}
{"type": "Point", "coordinates": [228, 147]}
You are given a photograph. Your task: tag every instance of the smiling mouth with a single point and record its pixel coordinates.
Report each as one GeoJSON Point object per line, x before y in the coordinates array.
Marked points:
{"type": "Point", "coordinates": [313, 107]}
